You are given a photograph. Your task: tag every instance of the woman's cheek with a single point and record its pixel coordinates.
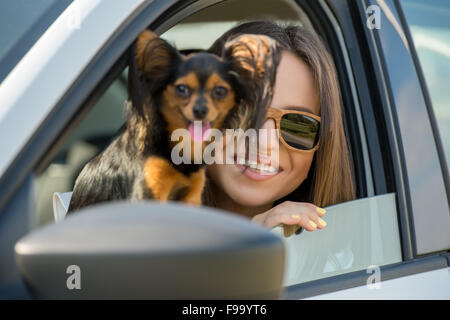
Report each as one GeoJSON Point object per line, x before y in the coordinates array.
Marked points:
{"type": "Point", "coordinates": [300, 164]}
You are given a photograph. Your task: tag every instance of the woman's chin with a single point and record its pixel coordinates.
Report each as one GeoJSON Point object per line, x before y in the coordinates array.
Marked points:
{"type": "Point", "coordinates": [252, 197]}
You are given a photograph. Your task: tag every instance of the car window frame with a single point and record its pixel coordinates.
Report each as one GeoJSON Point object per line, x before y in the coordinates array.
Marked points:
{"type": "Point", "coordinates": [107, 65]}
{"type": "Point", "coordinates": [422, 240]}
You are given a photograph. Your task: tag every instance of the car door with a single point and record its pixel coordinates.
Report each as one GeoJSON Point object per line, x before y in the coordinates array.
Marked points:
{"type": "Point", "coordinates": [412, 155]}
{"type": "Point", "coordinates": [371, 124]}
{"type": "Point", "coordinates": [69, 65]}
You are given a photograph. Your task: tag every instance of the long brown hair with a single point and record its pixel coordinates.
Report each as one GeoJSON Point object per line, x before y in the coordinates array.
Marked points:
{"type": "Point", "coordinates": [330, 179]}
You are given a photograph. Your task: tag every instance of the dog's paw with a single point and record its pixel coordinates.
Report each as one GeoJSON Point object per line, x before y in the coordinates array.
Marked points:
{"type": "Point", "coordinates": [253, 53]}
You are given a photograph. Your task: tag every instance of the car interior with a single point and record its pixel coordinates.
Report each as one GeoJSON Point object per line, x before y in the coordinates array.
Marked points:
{"type": "Point", "coordinates": [199, 31]}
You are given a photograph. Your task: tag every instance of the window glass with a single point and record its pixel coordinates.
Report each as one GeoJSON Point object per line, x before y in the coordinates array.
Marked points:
{"type": "Point", "coordinates": [429, 22]}
{"type": "Point", "coordinates": [359, 234]}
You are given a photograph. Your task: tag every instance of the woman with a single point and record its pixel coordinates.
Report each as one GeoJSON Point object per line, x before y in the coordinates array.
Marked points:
{"type": "Point", "coordinates": [305, 180]}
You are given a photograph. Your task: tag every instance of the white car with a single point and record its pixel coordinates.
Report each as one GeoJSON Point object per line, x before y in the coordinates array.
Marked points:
{"type": "Point", "coordinates": [63, 87]}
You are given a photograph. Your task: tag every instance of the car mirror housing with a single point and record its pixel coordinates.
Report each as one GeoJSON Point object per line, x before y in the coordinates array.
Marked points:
{"type": "Point", "coordinates": [150, 250]}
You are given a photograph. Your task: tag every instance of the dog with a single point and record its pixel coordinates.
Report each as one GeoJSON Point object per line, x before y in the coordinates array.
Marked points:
{"type": "Point", "coordinates": [169, 91]}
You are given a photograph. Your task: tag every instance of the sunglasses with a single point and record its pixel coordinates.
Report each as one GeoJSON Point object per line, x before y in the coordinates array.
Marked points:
{"type": "Point", "coordinates": [297, 130]}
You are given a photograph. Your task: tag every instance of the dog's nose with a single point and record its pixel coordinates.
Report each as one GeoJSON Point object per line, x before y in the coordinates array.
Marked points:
{"type": "Point", "coordinates": [200, 111]}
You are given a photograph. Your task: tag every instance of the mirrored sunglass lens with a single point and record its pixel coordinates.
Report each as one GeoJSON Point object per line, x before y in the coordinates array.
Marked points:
{"type": "Point", "coordinates": [299, 131]}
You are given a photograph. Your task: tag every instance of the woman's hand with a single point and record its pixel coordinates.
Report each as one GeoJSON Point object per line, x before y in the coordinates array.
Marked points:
{"type": "Point", "coordinates": [292, 216]}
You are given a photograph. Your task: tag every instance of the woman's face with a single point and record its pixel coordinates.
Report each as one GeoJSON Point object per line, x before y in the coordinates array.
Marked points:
{"type": "Point", "coordinates": [294, 87]}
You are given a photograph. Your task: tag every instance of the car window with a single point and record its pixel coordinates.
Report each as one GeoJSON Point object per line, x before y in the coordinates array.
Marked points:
{"type": "Point", "coordinates": [359, 234]}
{"type": "Point", "coordinates": [22, 22]}
{"type": "Point", "coordinates": [100, 124]}
{"type": "Point", "coordinates": [429, 23]}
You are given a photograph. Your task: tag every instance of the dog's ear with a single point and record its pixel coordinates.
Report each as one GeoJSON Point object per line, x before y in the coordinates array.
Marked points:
{"type": "Point", "coordinates": [254, 61]}
{"type": "Point", "coordinates": [154, 56]}
{"type": "Point", "coordinates": [150, 61]}
{"type": "Point", "coordinates": [251, 55]}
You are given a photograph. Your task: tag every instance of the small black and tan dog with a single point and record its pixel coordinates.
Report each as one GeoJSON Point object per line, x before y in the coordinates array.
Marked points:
{"type": "Point", "coordinates": [168, 91]}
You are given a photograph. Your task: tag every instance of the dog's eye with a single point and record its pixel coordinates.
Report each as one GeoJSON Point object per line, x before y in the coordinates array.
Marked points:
{"type": "Point", "coordinates": [182, 90]}
{"type": "Point", "coordinates": [219, 92]}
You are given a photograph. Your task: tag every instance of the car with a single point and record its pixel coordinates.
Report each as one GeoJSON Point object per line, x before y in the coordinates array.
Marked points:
{"type": "Point", "coordinates": [63, 69]}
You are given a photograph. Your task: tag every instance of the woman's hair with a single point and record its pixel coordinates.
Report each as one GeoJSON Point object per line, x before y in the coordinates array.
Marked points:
{"type": "Point", "coordinates": [330, 179]}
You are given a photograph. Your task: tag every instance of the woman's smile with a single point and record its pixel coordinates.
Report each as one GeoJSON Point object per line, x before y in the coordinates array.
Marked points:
{"type": "Point", "coordinates": [257, 170]}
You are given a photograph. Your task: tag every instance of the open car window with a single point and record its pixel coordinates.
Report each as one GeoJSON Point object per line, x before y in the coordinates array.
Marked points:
{"type": "Point", "coordinates": [359, 234]}
{"type": "Point", "coordinates": [96, 130]}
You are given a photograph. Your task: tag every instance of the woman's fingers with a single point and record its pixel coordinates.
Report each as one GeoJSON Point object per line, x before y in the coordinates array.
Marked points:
{"type": "Point", "coordinates": [308, 223]}
{"type": "Point", "coordinates": [293, 215]}
{"type": "Point", "coordinates": [315, 218]}
{"type": "Point", "coordinates": [284, 215]}
{"type": "Point", "coordinates": [320, 211]}
{"type": "Point", "coordinates": [318, 222]}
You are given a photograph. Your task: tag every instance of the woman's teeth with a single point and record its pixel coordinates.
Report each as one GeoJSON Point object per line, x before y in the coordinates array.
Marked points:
{"type": "Point", "coordinates": [257, 166]}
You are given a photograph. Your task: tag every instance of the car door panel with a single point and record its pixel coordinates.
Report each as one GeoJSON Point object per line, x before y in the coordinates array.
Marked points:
{"type": "Point", "coordinates": [431, 285]}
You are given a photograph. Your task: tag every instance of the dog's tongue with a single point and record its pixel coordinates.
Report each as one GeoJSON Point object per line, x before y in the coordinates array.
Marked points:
{"type": "Point", "coordinates": [199, 131]}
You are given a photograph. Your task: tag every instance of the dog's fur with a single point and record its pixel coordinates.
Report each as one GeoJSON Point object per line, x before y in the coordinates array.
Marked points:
{"type": "Point", "coordinates": [137, 164]}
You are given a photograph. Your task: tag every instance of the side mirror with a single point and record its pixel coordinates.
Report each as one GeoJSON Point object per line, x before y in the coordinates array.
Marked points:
{"type": "Point", "coordinates": [152, 251]}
